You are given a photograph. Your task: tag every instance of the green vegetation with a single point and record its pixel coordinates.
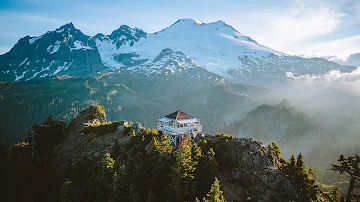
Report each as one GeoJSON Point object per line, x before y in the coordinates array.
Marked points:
{"type": "Point", "coordinates": [22, 144]}
{"type": "Point", "coordinates": [101, 128]}
{"type": "Point", "coordinates": [215, 194]}
{"type": "Point", "coordinates": [302, 180]}
{"type": "Point", "coordinates": [351, 167]}
{"type": "Point", "coordinates": [127, 128]}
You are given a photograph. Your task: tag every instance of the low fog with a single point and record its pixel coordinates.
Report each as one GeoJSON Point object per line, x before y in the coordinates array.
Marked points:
{"type": "Point", "coordinates": [332, 98]}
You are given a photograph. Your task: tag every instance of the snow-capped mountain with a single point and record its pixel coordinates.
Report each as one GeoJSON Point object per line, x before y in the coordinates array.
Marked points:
{"type": "Point", "coordinates": [63, 50]}
{"type": "Point", "coordinates": [214, 47]}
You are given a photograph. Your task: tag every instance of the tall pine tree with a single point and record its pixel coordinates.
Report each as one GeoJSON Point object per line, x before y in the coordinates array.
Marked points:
{"type": "Point", "coordinates": [350, 166]}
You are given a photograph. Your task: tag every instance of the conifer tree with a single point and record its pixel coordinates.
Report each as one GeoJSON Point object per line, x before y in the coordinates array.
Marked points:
{"type": "Point", "coordinates": [182, 185]}
{"type": "Point", "coordinates": [300, 165]}
{"type": "Point", "coordinates": [275, 148]}
{"type": "Point", "coordinates": [120, 187]}
{"type": "Point", "coordinates": [334, 194]}
{"type": "Point", "coordinates": [311, 172]}
{"type": "Point", "coordinates": [291, 168]}
{"type": "Point", "coordinates": [350, 166]}
{"type": "Point", "coordinates": [215, 194]}
{"type": "Point", "coordinates": [304, 184]}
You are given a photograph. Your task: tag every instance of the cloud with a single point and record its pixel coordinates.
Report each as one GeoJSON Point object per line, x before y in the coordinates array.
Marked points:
{"type": "Point", "coordinates": [339, 50]}
{"type": "Point", "coordinates": [334, 77]}
{"type": "Point", "coordinates": [331, 98]}
{"type": "Point", "coordinates": [302, 21]}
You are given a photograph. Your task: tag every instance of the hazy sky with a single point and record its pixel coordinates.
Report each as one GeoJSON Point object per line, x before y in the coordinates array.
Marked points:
{"type": "Point", "coordinates": [310, 27]}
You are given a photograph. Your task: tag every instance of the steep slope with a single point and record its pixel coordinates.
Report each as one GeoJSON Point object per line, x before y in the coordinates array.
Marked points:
{"type": "Point", "coordinates": [216, 47]}
{"type": "Point", "coordinates": [62, 51]}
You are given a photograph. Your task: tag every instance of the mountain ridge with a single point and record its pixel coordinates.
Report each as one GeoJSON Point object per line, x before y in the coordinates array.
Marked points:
{"type": "Point", "coordinates": [216, 47]}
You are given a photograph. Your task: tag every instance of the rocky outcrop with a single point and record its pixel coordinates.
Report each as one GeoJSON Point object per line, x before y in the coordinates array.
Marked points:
{"type": "Point", "coordinates": [79, 145]}
{"type": "Point", "coordinates": [253, 172]}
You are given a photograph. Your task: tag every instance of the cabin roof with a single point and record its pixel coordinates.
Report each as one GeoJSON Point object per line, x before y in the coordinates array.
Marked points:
{"type": "Point", "coordinates": [179, 115]}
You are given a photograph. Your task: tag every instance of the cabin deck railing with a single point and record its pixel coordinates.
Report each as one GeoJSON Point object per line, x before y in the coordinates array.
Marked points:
{"type": "Point", "coordinates": [181, 130]}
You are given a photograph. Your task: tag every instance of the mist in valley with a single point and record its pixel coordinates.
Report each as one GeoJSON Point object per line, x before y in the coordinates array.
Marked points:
{"type": "Point", "coordinates": [330, 102]}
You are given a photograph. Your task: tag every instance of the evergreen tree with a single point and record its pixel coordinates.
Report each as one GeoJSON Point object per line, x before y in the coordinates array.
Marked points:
{"type": "Point", "coordinates": [182, 185]}
{"type": "Point", "coordinates": [334, 194]}
{"type": "Point", "coordinates": [311, 172]}
{"type": "Point", "coordinates": [120, 186]}
{"type": "Point", "coordinates": [300, 165]}
{"type": "Point", "coordinates": [290, 168]}
{"type": "Point", "coordinates": [304, 184]}
{"type": "Point", "coordinates": [350, 166]}
{"type": "Point", "coordinates": [215, 194]}
{"type": "Point", "coordinates": [275, 148]}
{"type": "Point", "coordinates": [104, 178]}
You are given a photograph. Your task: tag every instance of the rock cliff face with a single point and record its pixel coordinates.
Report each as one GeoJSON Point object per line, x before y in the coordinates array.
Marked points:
{"type": "Point", "coordinates": [253, 171]}
{"type": "Point", "coordinates": [249, 168]}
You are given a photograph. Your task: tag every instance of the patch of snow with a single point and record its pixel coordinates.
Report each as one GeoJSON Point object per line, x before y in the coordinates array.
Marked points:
{"type": "Point", "coordinates": [42, 69]}
{"type": "Point", "coordinates": [197, 22]}
{"type": "Point", "coordinates": [20, 76]}
{"type": "Point", "coordinates": [54, 48]}
{"type": "Point", "coordinates": [60, 30]}
{"type": "Point", "coordinates": [33, 39]}
{"type": "Point", "coordinates": [62, 68]}
{"type": "Point", "coordinates": [78, 45]}
{"type": "Point", "coordinates": [44, 75]}
{"type": "Point", "coordinates": [23, 62]}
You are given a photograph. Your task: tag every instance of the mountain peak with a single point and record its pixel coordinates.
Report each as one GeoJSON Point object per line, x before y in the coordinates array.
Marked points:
{"type": "Point", "coordinates": [190, 21]}
{"type": "Point", "coordinates": [68, 26]}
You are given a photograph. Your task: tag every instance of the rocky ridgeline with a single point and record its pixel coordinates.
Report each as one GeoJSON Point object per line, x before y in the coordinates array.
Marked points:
{"type": "Point", "coordinates": [251, 168]}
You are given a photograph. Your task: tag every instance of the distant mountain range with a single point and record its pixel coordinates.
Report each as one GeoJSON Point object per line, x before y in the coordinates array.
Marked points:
{"type": "Point", "coordinates": [186, 44]}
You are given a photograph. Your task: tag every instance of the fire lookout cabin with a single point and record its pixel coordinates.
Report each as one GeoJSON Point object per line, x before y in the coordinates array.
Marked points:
{"type": "Point", "coordinates": [178, 124]}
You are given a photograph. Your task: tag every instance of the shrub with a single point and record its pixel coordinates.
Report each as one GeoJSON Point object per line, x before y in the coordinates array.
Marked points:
{"type": "Point", "coordinates": [127, 128]}
{"type": "Point", "coordinates": [102, 128]}
{"type": "Point", "coordinates": [22, 144]}
{"type": "Point", "coordinates": [225, 136]}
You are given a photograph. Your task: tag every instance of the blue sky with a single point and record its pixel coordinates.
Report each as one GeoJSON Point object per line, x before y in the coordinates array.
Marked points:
{"type": "Point", "coordinates": [303, 27]}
